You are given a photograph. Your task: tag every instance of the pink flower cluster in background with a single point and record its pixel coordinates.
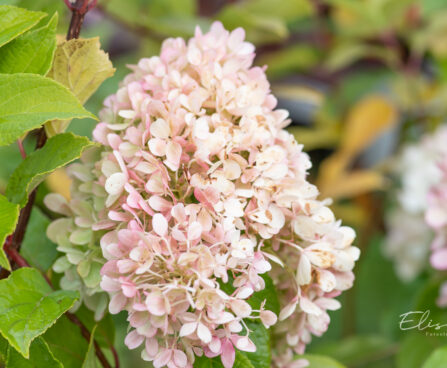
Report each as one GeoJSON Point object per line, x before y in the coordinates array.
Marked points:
{"type": "Point", "coordinates": [200, 186]}
{"type": "Point", "coordinates": [436, 218]}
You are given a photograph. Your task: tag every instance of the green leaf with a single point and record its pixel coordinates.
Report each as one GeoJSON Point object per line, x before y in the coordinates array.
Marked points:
{"type": "Point", "coordinates": [32, 52]}
{"type": "Point", "coordinates": [57, 152]}
{"type": "Point", "coordinates": [81, 66]}
{"type": "Point", "coordinates": [437, 359]}
{"type": "Point", "coordinates": [15, 21]}
{"type": "Point", "coordinates": [9, 214]}
{"type": "Point", "coordinates": [40, 356]}
{"type": "Point", "coordinates": [72, 348]}
{"type": "Point", "coordinates": [320, 361]}
{"type": "Point", "coordinates": [37, 249]}
{"type": "Point", "coordinates": [288, 60]}
{"type": "Point", "coordinates": [268, 294]}
{"type": "Point", "coordinates": [204, 362]}
{"type": "Point", "coordinates": [4, 346]}
{"type": "Point", "coordinates": [257, 298]}
{"type": "Point", "coordinates": [355, 350]}
{"type": "Point", "coordinates": [29, 100]}
{"type": "Point", "coordinates": [382, 297]}
{"type": "Point", "coordinates": [90, 358]}
{"type": "Point", "coordinates": [241, 361]}
{"type": "Point", "coordinates": [415, 348]}
{"type": "Point", "coordinates": [261, 338]}
{"type": "Point", "coordinates": [28, 307]}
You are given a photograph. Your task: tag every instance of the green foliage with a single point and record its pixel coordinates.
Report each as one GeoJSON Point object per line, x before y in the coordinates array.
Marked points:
{"type": "Point", "coordinates": [415, 348]}
{"type": "Point", "coordinates": [261, 338]}
{"type": "Point", "coordinates": [319, 361]}
{"type": "Point", "coordinates": [268, 294]}
{"type": "Point", "coordinates": [57, 152]}
{"type": "Point", "coordinates": [90, 358]}
{"type": "Point", "coordinates": [437, 359]}
{"type": "Point", "coordinates": [39, 356]}
{"type": "Point", "coordinates": [37, 249]}
{"type": "Point", "coordinates": [66, 343]}
{"type": "Point", "coordinates": [9, 214]}
{"type": "Point", "coordinates": [104, 329]}
{"type": "Point", "coordinates": [241, 361]}
{"type": "Point", "coordinates": [28, 307]}
{"type": "Point", "coordinates": [32, 52]}
{"type": "Point", "coordinates": [27, 101]}
{"type": "Point", "coordinates": [355, 350]}
{"type": "Point", "coordinates": [15, 21]}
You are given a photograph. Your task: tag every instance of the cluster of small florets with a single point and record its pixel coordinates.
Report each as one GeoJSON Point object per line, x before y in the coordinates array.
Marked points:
{"type": "Point", "coordinates": [199, 185]}
{"type": "Point", "coordinates": [408, 236]}
{"type": "Point", "coordinates": [436, 218]}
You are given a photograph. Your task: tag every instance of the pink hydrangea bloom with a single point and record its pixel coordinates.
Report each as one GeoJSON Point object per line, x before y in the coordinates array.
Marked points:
{"type": "Point", "coordinates": [203, 182]}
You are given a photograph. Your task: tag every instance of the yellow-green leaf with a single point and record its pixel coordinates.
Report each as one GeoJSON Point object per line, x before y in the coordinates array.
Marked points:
{"type": "Point", "coordinates": [81, 66]}
{"type": "Point", "coordinates": [369, 118]}
{"type": "Point", "coordinates": [15, 21]}
{"type": "Point", "coordinates": [32, 52]}
{"type": "Point", "coordinates": [9, 214]}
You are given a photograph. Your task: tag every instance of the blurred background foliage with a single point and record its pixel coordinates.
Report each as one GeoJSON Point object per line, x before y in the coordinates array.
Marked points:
{"type": "Point", "coordinates": [359, 77]}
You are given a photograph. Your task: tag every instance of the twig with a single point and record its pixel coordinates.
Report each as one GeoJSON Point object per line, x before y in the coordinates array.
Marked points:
{"type": "Point", "coordinates": [25, 212]}
{"type": "Point", "coordinates": [115, 356]}
{"type": "Point", "coordinates": [13, 255]}
{"type": "Point", "coordinates": [21, 148]}
{"type": "Point", "coordinates": [79, 9]}
{"type": "Point", "coordinates": [86, 334]}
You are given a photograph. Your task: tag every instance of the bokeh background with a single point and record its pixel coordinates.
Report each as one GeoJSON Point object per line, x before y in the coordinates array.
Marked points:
{"type": "Point", "coordinates": [360, 79]}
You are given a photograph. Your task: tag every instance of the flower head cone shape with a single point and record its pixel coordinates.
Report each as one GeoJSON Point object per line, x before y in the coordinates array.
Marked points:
{"type": "Point", "coordinates": [204, 187]}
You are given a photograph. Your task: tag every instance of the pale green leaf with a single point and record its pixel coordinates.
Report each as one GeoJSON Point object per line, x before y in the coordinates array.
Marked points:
{"type": "Point", "coordinates": [57, 152]}
{"type": "Point", "coordinates": [28, 307]}
{"type": "Point", "coordinates": [40, 357]}
{"type": "Point", "coordinates": [15, 21]}
{"type": "Point", "coordinates": [90, 358]}
{"type": "Point", "coordinates": [81, 66]}
{"type": "Point", "coordinates": [437, 359]}
{"type": "Point", "coordinates": [32, 52]}
{"type": "Point", "coordinates": [9, 214]}
{"type": "Point", "coordinates": [29, 100]}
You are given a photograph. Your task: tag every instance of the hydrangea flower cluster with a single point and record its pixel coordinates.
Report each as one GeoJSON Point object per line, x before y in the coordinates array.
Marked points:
{"type": "Point", "coordinates": [408, 236]}
{"type": "Point", "coordinates": [436, 218]}
{"type": "Point", "coordinates": [198, 185]}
